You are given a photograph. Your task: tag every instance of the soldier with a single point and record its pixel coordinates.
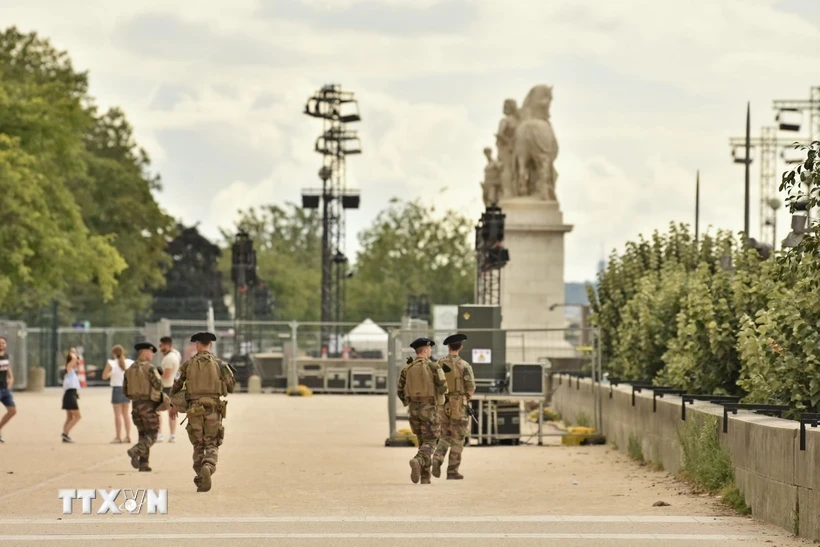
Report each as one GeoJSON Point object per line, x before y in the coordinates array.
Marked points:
{"type": "Point", "coordinates": [422, 387]}
{"type": "Point", "coordinates": [453, 416]}
{"type": "Point", "coordinates": [205, 379]}
{"type": "Point", "coordinates": [141, 383]}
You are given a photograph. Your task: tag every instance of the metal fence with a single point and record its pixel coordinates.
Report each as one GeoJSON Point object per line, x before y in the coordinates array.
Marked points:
{"type": "Point", "coordinates": [15, 334]}
{"type": "Point", "coordinates": [513, 371]}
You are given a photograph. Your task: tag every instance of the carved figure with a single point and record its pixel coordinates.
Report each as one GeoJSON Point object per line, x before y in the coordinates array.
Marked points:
{"type": "Point", "coordinates": [505, 142]}
{"type": "Point", "coordinates": [492, 179]}
{"type": "Point", "coordinates": [535, 147]}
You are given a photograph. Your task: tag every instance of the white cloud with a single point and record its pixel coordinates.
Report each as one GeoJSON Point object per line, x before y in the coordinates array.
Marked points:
{"type": "Point", "coordinates": [646, 94]}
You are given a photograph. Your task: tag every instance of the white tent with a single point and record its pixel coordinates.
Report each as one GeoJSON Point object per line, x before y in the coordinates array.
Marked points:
{"type": "Point", "coordinates": [367, 336]}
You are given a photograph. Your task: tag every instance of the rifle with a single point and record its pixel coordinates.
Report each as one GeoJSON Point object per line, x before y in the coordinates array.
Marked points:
{"type": "Point", "coordinates": [472, 414]}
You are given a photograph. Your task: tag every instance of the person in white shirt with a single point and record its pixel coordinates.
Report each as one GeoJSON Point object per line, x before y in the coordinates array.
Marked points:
{"type": "Point", "coordinates": [71, 388]}
{"type": "Point", "coordinates": [115, 371]}
{"type": "Point", "coordinates": [170, 366]}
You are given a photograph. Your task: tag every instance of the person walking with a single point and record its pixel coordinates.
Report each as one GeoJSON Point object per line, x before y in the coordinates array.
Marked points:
{"type": "Point", "coordinates": [205, 379]}
{"type": "Point", "coordinates": [115, 372]}
{"type": "Point", "coordinates": [6, 384]}
{"type": "Point", "coordinates": [422, 387]}
{"type": "Point", "coordinates": [170, 366]}
{"type": "Point", "coordinates": [143, 386]}
{"type": "Point", "coordinates": [71, 393]}
{"type": "Point", "coordinates": [452, 414]}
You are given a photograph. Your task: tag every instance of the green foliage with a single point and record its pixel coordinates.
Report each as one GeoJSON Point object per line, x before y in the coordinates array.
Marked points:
{"type": "Point", "coordinates": [406, 251]}
{"type": "Point", "coordinates": [582, 419]}
{"type": "Point", "coordinates": [734, 498]}
{"type": "Point", "coordinates": [707, 465]}
{"type": "Point", "coordinates": [705, 462]}
{"type": "Point", "coordinates": [288, 243]}
{"type": "Point", "coordinates": [635, 450]}
{"type": "Point", "coordinates": [76, 193]}
{"type": "Point", "coordinates": [46, 247]}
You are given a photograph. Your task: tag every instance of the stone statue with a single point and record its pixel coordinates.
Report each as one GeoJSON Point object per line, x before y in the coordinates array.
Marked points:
{"type": "Point", "coordinates": [535, 147]}
{"type": "Point", "coordinates": [492, 179]}
{"type": "Point", "coordinates": [505, 142]}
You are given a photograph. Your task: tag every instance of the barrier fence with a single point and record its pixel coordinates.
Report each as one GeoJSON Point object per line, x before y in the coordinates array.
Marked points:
{"type": "Point", "coordinates": [284, 354]}
{"type": "Point", "coordinates": [513, 370]}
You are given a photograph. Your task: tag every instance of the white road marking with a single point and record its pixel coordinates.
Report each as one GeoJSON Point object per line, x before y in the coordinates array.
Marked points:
{"type": "Point", "coordinates": [160, 519]}
{"type": "Point", "coordinates": [148, 537]}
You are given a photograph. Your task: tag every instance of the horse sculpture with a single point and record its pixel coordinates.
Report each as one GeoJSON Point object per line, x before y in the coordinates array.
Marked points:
{"type": "Point", "coordinates": [535, 147]}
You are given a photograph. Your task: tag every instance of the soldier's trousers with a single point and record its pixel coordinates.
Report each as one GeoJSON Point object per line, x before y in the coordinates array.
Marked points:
{"type": "Point", "coordinates": [453, 434]}
{"type": "Point", "coordinates": [206, 434]}
{"type": "Point", "coordinates": [146, 420]}
{"type": "Point", "coordinates": [424, 422]}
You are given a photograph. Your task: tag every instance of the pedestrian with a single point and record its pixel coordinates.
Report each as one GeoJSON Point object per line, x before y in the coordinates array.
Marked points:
{"type": "Point", "coordinates": [71, 393]}
{"type": "Point", "coordinates": [205, 379]}
{"type": "Point", "coordinates": [115, 372]}
{"type": "Point", "coordinates": [170, 366]}
{"type": "Point", "coordinates": [452, 414]}
{"type": "Point", "coordinates": [422, 387]}
{"type": "Point", "coordinates": [143, 386]}
{"type": "Point", "coordinates": [6, 385]}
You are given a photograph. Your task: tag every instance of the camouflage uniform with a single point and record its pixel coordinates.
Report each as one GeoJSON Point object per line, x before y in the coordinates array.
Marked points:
{"type": "Point", "coordinates": [205, 409]}
{"type": "Point", "coordinates": [455, 422]}
{"type": "Point", "coordinates": [423, 413]}
{"type": "Point", "coordinates": [145, 392]}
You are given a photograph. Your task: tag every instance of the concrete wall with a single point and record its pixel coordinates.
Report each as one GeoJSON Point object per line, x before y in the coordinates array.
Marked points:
{"type": "Point", "coordinates": [775, 476]}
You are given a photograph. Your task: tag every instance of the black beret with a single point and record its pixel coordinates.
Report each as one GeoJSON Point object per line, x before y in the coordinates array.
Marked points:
{"type": "Point", "coordinates": [454, 339]}
{"type": "Point", "coordinates": [145, 345]}
{"type": "Point", "coordinates": [203, 337]}
{"type": "Point", "coordinates": [421, 342]}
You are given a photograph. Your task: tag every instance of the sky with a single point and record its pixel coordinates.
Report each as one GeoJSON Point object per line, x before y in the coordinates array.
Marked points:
{"type": "Point", "coordinates": [646, 93]}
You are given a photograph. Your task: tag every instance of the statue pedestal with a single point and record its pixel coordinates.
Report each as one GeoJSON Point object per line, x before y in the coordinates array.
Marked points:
{"type": "Point", "coordinates": [533, 280]}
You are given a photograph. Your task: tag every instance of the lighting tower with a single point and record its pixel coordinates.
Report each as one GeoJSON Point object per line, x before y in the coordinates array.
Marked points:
{"type": "Point", "coordinates": [790, 117]}
{"type": "Point", "coordinates": [243, 275]}
{"type": "Point", "coordinates": [767, 144]}
{"type": "Point", "coordinates": [491, 256]}
{"type": "Point", "coordinates": [336, 108]}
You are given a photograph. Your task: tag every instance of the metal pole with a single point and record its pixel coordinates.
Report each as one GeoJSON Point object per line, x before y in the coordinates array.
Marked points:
{"type": "Point", "coordinates": [697, 206]}
{"type": "Point", "coordinates": [392, 383]}
{"type": "Point", "coordinates": [326, 264]}
{"type": "Point", "coordinates": [748, 162]}
{"type": "Point", "coordinates": [293, 380]}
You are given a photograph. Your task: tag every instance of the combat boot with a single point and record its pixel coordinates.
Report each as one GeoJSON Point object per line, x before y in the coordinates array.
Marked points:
{"type": "Point", "coordinates": [436, 468]}
{"type": "Point", "coordinates": [205, 475]}
{"type": "Point", "coordinates": [135, 459]}
{"type": "Point", "coordinates": [425, 480]}
{"type": "Point", "coordinates": [415, 470]}
{"type": "Point", "coordinates": [453, 474]}
{"type": "Point", "coordinates": [144, 465]}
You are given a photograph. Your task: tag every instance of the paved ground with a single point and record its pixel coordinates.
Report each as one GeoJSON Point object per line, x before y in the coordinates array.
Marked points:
{"type": "Point", "coordinates": [314, 471]}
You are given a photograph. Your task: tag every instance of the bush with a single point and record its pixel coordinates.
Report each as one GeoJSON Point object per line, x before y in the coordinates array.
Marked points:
{"type": "Point", "coordinates": [707, 465]}
{"type": "Point", "coordinates": [635, 450]}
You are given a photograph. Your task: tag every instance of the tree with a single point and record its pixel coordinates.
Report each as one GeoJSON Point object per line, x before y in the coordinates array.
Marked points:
{"type": "Point", "coordinates": [92, 165]}
{"type": "Point", "coordinates": [46, 246]}
{"type": "Point", "coordinates": [193, 279]}
{"type": "Point", "coordinates": [42, 119]}
{"type": "Point", "coordinates": [407, 251]}
{"type": "Point", "coordinates": [288, 244]}
{"type": "Point", "coordinates": [116, 198]}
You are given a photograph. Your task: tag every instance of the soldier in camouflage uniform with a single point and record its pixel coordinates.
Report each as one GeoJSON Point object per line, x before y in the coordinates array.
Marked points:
{"type": "Point", "coordinates": [205, 379]}
{"type": "Point", "coordinates": [453, 415]}
{"type": "Point", "coordinates": [143, 385]}
{"type": "Point", "coordinates": [422, 387]}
